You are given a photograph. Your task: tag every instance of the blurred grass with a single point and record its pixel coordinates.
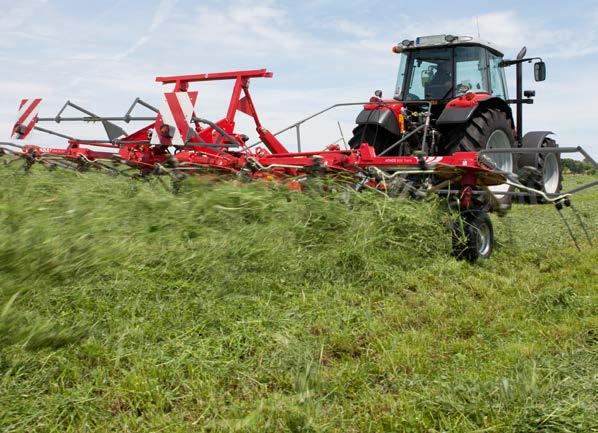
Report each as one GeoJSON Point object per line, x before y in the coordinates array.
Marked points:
{"type": "Point", "coordinates": [251, 308]}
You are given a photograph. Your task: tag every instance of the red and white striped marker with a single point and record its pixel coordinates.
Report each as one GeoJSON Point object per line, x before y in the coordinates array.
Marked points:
{"type": "Point", "coordinates": [173, 122]}
{"type": "Point", "coordinates": [26, 118]}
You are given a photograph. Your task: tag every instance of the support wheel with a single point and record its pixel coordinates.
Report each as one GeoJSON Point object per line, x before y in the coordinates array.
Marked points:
{"type": "Point", "coordinates": [473, 236]}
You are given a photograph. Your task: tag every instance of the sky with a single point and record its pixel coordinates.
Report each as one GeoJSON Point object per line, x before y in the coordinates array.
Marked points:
{"type": "Point", "coordinates": [103, 54]}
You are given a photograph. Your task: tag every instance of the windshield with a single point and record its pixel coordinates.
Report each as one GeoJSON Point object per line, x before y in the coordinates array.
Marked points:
{"type": "Point", "coordinates": [426, 74]}
{"type": "Point", "coordinates": [441, 73]}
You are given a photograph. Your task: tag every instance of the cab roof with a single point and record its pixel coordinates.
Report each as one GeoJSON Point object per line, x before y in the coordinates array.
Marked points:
{"type": "Point", "coordinates": [446, 41]}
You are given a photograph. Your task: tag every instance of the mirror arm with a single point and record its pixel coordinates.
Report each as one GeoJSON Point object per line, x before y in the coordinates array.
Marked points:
{"type": "Point", "coordinates": [507, 63]}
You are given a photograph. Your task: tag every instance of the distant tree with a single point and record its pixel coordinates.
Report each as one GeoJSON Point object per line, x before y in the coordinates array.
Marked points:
{"type": "Point", "coordinates": [578, 167]}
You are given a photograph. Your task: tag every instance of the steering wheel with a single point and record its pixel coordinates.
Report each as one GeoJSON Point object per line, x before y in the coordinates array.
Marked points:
{"type": "Point", "coordinates": [412, 97]}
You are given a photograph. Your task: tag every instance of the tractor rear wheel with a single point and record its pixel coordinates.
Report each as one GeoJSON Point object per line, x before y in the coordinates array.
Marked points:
{"type": "Point", "coordinates": [487, 129]}
{"type": "Point", "coordinates": [542, 171]}
{"type": "Point", "coordinates": [375, 136]}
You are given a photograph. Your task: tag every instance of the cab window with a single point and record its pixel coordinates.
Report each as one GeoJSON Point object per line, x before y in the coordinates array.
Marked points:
{"type": "Point", "coordinates": [428, 75]}
{"type": "Point", "coordinates": [470, 70]}
{"type": "Point", "coordinates": [497, 77]}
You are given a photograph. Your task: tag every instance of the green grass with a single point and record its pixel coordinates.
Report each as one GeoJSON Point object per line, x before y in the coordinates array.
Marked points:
{"type": "Point", "coordinates": [249, 308]}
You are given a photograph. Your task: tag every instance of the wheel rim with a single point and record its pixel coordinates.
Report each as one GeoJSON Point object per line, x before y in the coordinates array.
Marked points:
{"type": "Point", "coordinates": [484, 239]}
{"type": "Point", "coordinates": [550, 173]}
{"type": "Point", "coordinates": [504, 161]}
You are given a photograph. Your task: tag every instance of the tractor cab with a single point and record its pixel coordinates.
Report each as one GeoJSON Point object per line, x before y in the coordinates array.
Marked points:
{"type": "Point", "coordinates": [441, 68]}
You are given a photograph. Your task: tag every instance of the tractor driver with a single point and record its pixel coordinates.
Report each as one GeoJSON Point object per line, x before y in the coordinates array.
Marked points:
{"type": "Point", "coordinates": [441, 84]}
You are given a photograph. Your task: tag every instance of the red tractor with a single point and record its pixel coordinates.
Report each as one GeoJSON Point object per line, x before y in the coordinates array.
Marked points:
{"type": "Point", "coordinates": [451, 96]}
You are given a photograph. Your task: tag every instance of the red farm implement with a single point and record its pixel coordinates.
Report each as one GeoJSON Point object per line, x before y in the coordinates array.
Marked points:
{"type": "Point", "coordinates": [459, 143]}
{"type": "Point", "coordinates": [198, 143]}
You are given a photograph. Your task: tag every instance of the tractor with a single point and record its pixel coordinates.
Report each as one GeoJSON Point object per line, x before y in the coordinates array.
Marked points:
{"type": "Point", "coordinates": [451, 96]}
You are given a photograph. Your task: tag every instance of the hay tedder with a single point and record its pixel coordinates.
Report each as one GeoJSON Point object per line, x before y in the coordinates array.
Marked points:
{"type": "Point", "coordinates": [449, 130]}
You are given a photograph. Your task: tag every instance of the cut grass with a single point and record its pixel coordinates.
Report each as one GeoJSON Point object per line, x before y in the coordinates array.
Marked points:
{"type": "Point", "coordinates": [251, 308]}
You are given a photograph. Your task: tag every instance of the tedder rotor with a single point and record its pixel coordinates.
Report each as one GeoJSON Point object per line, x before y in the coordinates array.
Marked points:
{"type": "Point", "coordinates": [448, 131]}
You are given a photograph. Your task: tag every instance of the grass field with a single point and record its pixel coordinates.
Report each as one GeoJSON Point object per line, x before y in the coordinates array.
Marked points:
{"type": "Point", "coordinates": [253, 309]}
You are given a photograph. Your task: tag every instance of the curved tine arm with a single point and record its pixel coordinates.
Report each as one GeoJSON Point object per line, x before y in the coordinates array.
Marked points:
{"type": "Point", "coordinates": [6, 143]}
{"type": "Point", "coordinates": [139, 101]}
{"type": "Point", "coordinates": [216, 127]}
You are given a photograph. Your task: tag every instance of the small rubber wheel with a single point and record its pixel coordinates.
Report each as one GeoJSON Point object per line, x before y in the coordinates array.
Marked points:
{"type": "Point", "coordinates": [473, 236]}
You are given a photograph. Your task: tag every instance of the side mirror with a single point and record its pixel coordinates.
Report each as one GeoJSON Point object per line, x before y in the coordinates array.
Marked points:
{"type": "Point", "coordinates": [539, 71]}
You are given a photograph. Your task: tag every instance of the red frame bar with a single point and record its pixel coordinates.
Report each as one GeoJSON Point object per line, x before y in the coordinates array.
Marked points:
{"type": "Point", "coordinates": [215, 76]}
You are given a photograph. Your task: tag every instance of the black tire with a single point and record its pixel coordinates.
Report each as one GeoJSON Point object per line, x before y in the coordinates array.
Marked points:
{"type": "Point", "coordinates": [543, 172]}
{"type": "Point", "coordinates": [473, 236]}
{"type": "Point", "coordinates": [485, 127]}
{"type": "Point", "coordinates": [375, 136]}
{"type": "Point", "coordinates": [474, 135]}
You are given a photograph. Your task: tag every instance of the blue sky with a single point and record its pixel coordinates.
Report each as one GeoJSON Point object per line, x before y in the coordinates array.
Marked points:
{"type": "Point", "coordinates": [102, 54]}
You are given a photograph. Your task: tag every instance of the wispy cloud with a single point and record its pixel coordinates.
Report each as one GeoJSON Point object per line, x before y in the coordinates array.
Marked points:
{"type": "Point", "coordinates": [352, 28]}
{"type": "Point", "coordinates": [245, 26]}
{"type": "Point", "coordinates": [17, 13]}
{"type": "Point", "coordinates": [161, 14]}
{"type": "Point", "coordinates": [511, 31]}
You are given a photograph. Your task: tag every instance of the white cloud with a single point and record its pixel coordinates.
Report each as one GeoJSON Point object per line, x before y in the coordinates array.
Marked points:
{"type": "Point", "coordinates": [254, 28]}
{"type": "Point", "coordinates": [138, 44]}
{"type": "Point", "coordinates": [510, 31]}
{"type": "Point", "coordinates": [17, 14]}
{"type": "Point", "coordinates": [22, 89]}
{"type": "Point", "coordinates": [352, 28]}
{"type": "Point", "coordinates": [161, 14]}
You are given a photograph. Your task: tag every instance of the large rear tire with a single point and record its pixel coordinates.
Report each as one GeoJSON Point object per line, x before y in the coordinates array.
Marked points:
{"type": "Point", "coordinates": [375, 136]}
{"type": "Point", "coordinates": [487, 129]}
